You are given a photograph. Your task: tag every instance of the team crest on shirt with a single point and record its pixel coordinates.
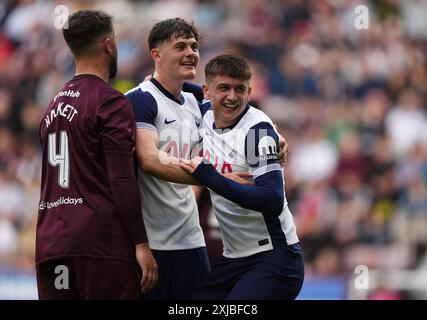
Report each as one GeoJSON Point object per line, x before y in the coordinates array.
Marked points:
{"type": "Point", "coordinates": [267, 149]}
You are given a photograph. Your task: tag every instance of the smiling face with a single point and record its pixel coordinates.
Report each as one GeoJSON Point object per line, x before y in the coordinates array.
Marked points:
{"type": "Point", "coordinates": [229, 97]}
{"type": "Point", "coordinates": [177, 57]}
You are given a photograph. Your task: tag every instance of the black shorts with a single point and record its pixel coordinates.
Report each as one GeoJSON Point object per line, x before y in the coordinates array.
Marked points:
{"type": "Point", "coordinates": [180, 273]}
{"type": "Point", "coordinates": [269, 275]}
{"type": "Point", "coordinates": [88, 278]}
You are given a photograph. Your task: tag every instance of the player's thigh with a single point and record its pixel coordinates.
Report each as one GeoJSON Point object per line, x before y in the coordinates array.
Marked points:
{"type": "Point", "coordinates": [54, 281]}
{"type": "Point", "coordinates": [209, 293]}
{"type": "Point", "coordinates": [277, 274]}
{"type": "Point", "coordinates": [192, 264]}
{"type": "Point", "coordinates": [180, 273]}
{"type": "Point", "coordinates": [165, 262]}
{"type": "Point", "coordinates": [220, 280]}
{"type": "Point", "coordinates": [292, 276]}
{"type": "Point", "coordinates": [259, 286]}
{"type": "Point", "coordinates": [107, 279]}
{"type": "Point", "coordinates": [253, 285]}
{"type": "Point", "coordinates": [191, 267]}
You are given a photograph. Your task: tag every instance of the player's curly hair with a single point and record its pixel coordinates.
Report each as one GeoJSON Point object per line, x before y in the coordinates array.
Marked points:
{"type": "Point", "coordinates": [228, 65]}
{"type": "Point", "coordinates": [170, 29]}
{"type": "Point", "coordinates": [85, 27]}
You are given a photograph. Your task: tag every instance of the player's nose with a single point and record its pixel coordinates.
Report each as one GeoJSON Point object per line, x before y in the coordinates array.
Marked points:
{"type": "Point", "coordinates": [189, 52]}
{"type": "Point", "coordinates": [232, 96]}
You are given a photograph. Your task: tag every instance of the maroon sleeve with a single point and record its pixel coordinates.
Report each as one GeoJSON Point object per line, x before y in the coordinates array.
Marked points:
{"type": "Point", "coordinates": [118, 139]}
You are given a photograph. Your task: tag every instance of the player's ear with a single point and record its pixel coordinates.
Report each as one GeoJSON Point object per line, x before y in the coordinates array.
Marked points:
{"type": "Point", "coordinates": [249, 93]}
{"type": "Point", "coordinates": [107, 44]}
{"type": "Point", "coordinates": [155, 55]}
{"type": "Point", "coordinates": [205, 91]}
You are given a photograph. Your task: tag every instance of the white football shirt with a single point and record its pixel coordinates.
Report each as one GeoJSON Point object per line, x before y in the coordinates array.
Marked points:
{"type": "Point", "coordinates": [170, 210]}
{"type": "Point", "coordinates": [245, 232]}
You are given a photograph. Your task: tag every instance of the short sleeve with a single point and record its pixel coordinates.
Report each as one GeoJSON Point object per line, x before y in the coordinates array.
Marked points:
{"type": "Point", "coordinates": [261, 148]}
{"type": "Point", "coordinates": [144, 108]}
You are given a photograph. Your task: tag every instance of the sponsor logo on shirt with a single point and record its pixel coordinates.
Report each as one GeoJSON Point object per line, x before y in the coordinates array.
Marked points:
{"type": "Point", "coordinates": [67, 93]}
{"type": "Point", "coordinates": [169, 122]}
{"type": "Point", "coordinates": [59, 202]}
{"type": "Point", "coordinates": [267, 149]}
{"type": "Point", "coordinates": [178, 143]}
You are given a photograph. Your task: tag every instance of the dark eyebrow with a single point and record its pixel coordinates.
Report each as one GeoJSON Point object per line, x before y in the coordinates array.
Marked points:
{"type": "Point", "coordinates": [238, 86]}
{"type": "Point", "coordinates": [192, 43]}
{"type": "Point", "coordinates": [223, 85]}
{"type": "Point", "coordinates": [177, 44]}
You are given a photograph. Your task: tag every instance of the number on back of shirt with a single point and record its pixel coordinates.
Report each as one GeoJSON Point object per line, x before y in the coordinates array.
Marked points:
{"type": "Point", "coordinates": [60, 158]}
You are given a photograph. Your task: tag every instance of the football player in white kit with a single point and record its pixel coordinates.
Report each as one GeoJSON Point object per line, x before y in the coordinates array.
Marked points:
{"type": "Point", "coordinates": [167, 121]}
{"type": "Point", "coordinates": [262, 257]}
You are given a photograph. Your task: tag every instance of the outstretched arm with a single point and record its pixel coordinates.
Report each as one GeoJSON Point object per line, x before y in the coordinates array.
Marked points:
{"type": "Point", "coordinates": [152, 160]}
{"type": "Point", "coordinates": [157, 162]}
{"type": "Point", "coordinates": [266, 195]}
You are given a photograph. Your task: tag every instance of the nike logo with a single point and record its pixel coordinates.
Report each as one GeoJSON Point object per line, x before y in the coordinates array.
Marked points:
{"type": "Point", "coordinates": [168, 122]}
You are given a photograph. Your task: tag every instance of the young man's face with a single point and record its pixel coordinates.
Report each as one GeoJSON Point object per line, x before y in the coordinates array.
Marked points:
{"type": "Point", "coordinates": [179, 57]}
{"type": "Point", "coordinates": [228, 96]}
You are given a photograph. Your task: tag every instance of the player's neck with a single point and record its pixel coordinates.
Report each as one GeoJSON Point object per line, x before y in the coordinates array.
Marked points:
{"type": "Point", "coordinates": [92, 66]}
{"type": "Point", "coordinates": [171, 85]}
{"type": "Point", "coordinates": [222, 123]}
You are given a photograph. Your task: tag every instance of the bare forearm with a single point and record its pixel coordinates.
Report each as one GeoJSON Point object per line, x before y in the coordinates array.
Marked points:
{"type": "Point", "coordinates": [158, 163]}
{"type": "Point", "coordinates": [166, 167]}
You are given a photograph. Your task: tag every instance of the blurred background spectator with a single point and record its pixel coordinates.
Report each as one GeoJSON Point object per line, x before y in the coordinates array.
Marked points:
{"type": "Point", "coordinates": [352, 104]}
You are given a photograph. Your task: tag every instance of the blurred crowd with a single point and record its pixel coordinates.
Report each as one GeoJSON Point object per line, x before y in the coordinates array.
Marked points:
{"type": "Point", "coordinates": [351, 103]}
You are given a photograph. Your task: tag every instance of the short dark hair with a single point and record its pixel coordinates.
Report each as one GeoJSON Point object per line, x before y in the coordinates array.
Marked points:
{"type": "Point", "coordinates": [169, 29]}
{"type": "Point", "coordinates": [85, 27]}
{"type": "Point", "coordinates": [228, 65]}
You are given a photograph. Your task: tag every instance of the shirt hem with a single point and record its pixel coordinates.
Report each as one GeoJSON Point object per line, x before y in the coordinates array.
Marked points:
{"type": "Point", "coordinates": [255, 251]}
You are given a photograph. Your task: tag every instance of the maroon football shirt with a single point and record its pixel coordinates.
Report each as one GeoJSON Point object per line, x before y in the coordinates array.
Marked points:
{"type": "Point", "coordinates": [79, 215]}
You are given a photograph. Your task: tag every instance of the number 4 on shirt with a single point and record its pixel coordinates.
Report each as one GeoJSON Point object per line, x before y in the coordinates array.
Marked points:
{"type": "Point", "coordinates": [60, 159]}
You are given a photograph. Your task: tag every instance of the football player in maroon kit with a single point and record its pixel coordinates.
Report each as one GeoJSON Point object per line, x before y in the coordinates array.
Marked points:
{"type": "Point", "coordinates": [90, 230]}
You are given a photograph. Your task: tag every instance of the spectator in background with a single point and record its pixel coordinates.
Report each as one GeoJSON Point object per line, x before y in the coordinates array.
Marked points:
{"type": "Point", "coordinates": [406, 124]}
